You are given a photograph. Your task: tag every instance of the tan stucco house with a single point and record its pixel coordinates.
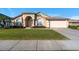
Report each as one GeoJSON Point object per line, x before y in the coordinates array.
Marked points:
{"type": "Point", "coordinates": [39, 19]}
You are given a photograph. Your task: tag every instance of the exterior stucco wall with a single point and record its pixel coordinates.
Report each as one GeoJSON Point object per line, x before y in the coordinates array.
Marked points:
{"type": "Point", "coordinates": [45, 21]}
{"type": "Point", "coordinates": [59, 24]}
{"type": "Point", "coordinates": [18, 19]}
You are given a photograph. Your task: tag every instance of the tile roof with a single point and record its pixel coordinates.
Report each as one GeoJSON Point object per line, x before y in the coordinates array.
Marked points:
{"type": "Point", "coordinates": [44, 15]}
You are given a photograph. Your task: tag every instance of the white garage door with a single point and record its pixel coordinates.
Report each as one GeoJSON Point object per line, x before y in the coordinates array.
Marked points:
{"type": "Point", "coordinates": [58, 24]}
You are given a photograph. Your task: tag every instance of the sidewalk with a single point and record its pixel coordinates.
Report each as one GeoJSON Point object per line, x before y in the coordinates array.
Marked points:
{"type": "Point", "coordinates": [38, 45]}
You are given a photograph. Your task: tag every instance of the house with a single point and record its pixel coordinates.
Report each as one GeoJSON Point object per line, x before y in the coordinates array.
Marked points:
{"type": "Point", "coordinates": [29, 19]}
{"type": "Point", "coordinates": [74, 22]}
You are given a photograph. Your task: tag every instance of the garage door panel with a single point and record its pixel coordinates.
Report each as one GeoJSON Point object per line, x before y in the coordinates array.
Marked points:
{"type": "Point", "coordinates": [59, 24]}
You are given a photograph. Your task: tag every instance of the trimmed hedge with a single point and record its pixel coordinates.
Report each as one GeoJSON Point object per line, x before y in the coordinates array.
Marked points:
{"type": "Point", "coordinates": [74, 27]}
{"type": "Point", "coordinates": [39, 27]}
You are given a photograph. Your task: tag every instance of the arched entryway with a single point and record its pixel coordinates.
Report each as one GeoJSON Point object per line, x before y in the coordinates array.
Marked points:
{"type": "Point", "coordinates": [28, 21]}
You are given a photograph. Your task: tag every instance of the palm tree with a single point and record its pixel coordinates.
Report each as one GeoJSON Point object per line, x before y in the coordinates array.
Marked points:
{"type": "Point", "coordinates": [4, 20]}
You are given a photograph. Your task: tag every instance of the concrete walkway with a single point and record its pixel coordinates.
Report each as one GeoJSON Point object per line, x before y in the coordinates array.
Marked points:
{"type": "Point", "coordinates": [44, 45]}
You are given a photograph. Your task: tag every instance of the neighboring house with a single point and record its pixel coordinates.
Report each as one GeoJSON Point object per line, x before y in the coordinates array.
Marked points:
{"type": "Point", "coordinates": [74, 22]}
{"type": "Point", "coordinates": [38, 19]}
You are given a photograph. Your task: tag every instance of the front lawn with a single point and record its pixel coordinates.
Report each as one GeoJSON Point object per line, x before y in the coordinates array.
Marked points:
{"type": "Point", "coordinates": [28, 34]}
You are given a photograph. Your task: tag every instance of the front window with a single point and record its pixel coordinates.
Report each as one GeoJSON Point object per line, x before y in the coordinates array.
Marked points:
{"type": "Point", "coordinates": [18, 22]}
{"type": "Point", "coordinates": [40, 22]}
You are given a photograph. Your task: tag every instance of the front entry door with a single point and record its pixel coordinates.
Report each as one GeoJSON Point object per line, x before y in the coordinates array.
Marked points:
{"type": "Point", "coordinates": [28, 21]}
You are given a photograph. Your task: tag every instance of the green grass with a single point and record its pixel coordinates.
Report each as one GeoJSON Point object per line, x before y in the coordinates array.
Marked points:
{"type": "Point", "coordinates": [28, 34]}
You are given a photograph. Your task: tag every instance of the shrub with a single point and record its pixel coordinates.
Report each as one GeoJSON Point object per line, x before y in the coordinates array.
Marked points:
{"type": "Point", "coordinates": [38, 27]}
{"type": "Point", "coordinates": [74, 27]}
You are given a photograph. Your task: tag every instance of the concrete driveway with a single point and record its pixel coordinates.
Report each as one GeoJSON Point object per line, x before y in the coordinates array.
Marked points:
{"type": "Point", "coordinates": [44, 45]}
{"type": "Point", "coordinates": [73, 35]}
{"type": "Point", "coordinates": [70, 33]}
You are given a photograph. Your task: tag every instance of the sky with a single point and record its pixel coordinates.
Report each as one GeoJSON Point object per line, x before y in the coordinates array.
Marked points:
{"type": "Point", "coordinates": [63, 12]}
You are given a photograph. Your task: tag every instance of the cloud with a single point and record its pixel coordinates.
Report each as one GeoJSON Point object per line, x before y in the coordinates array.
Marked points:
{"type": "Point", "coordinates": [75, 17]}
{"type": "Point", "coordinates": [50, 14]}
